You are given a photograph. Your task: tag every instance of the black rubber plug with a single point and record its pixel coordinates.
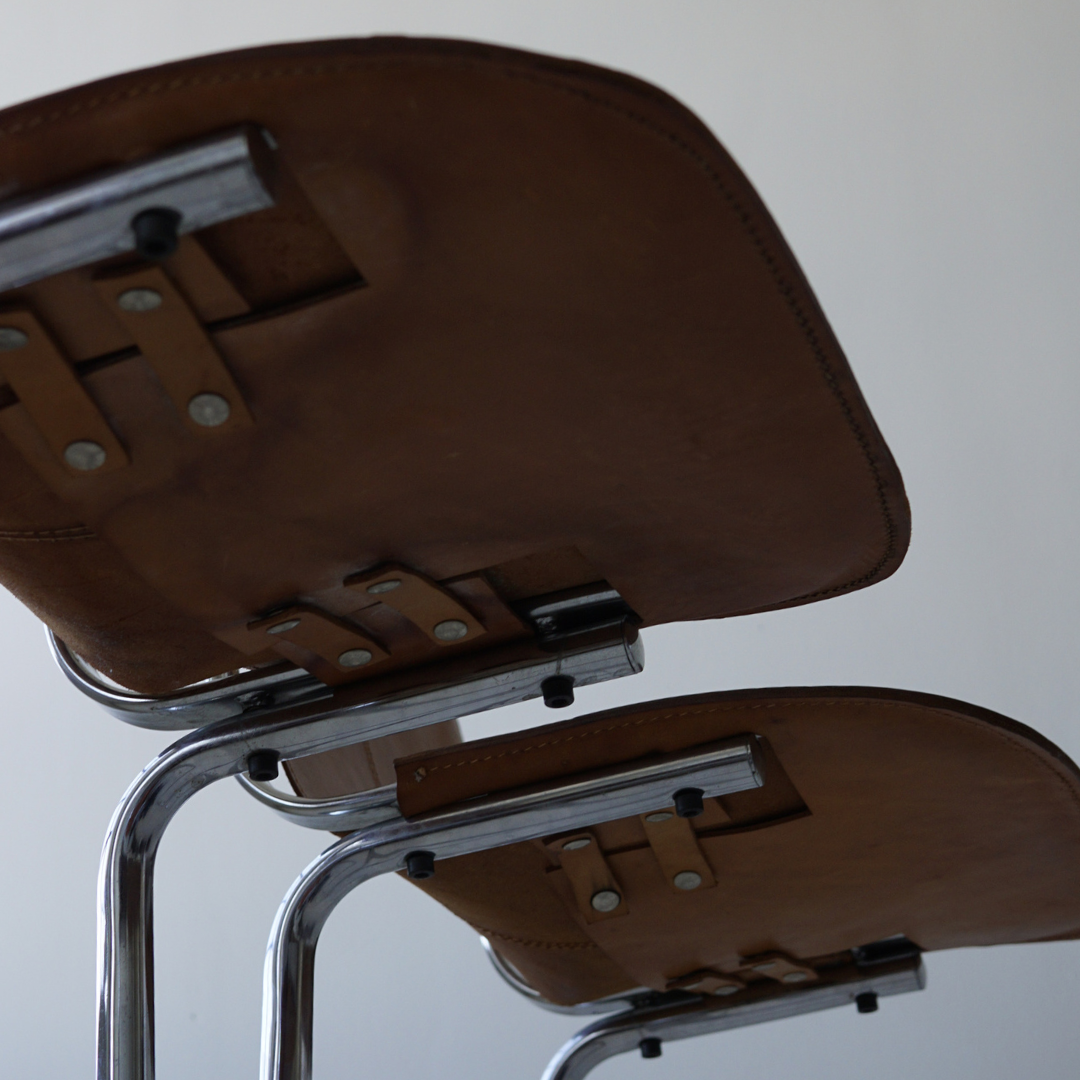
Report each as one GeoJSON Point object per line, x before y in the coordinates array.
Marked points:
{"type": "Point", "coordinates": [262, 765]}
{"type": "Point", "coordinates": [650, 1048]}
{"type": "Point", "coordinates": [689, 802]}
{"type": "Point", "coordinates": [420, 865]}
{"type": "Point", "coordinates": [156, 233]}
{"type": "Point", "coordinates": [866, 1002]}
{"type": "Point", "coordinates": [558, 691]}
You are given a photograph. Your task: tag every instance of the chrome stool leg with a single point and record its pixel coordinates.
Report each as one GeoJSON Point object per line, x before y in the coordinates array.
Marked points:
{"type": "Point", "coordinates": [680, 1015]}
{"type": "Point", "coordinates": [348, 714]}
{"type": "Point", "coordinates": [477, 825]}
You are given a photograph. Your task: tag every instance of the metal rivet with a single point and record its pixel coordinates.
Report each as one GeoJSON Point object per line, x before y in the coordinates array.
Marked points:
{"type": "Point", "coordinates": [355, 657]}
{"type": "Point", "coordinates": [723, 991]}
{"type": "Point", "coordinates": [866, 1002]}
{"type": "Point", "coordinates": [686, 879]}
{"type": "Point", "coordinates": [84, 455]}
{"type": "Point", "coordinates": [605, 900]}
{"type": "Point", "coordinates": [767, 966]}
{"type": "Point", "coordinates": [384, 586]}
{"type": "Point", "coordinates": [795, 977]}
{"type": "Point", "coordinates": [420, 865]}
{"type": "Point", "coordinates": [576, 845]}
{"type": "Point", "coordinates": [283, 627]}
{"type": "Point", "coordinates": [139, 300]}
{"type": "Point", "coordinates": [450, 630]}
{"type": "Point", "coordinates": [208, 410]}
{"type": "Point", "coordinates": [663, 815]}
{"type": "Point", "coordinates": [11, 337]}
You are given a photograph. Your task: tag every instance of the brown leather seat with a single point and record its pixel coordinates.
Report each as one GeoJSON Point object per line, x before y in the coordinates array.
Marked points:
{"type": "Point", "coordinates": [516, 323]}
{"type": "Point", "coordinates": [882, 813]}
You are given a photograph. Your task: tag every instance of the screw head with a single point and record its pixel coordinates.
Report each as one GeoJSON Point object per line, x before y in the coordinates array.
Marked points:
{"type": "Point", "coordinates": [689, 802]}
{"type": "Point", "coordinates": [605, 900]}
{"type": "Point", "coordinates": [381, 587]}
{"type": "Point", "coordinates": [139, 300]}
{"type": "Point", "coordinates": [450, 630]}
{"type": "Point", "coordinates": [660, 815]}
{"type": "Point", "coordinates": [577, 845]}
{"type": "Point", "coordinates": [11, 337]}
{"type": "Point", "coordinates": [650, 1048]}
{"type": "Point", "coordinates": [208, 410]}
{"type": "Point", "coordinates": [558, 691]}
{"type": "Point", "coordinates": [354, 658]}
{"type": "Point", "coordinates": [283, 627]}
{"type": "Point", "coordinates": [686, 879]}
{"type": "Point", "coordinates": [420, 865]}
{"type": "Point", "coordinates": [84, 455]}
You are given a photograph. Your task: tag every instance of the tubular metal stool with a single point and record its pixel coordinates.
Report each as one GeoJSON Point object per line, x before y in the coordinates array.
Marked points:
{"type": "Point", "coordinates": [702, 863]}
{"type": "Point", "coordinates": [348, 388]}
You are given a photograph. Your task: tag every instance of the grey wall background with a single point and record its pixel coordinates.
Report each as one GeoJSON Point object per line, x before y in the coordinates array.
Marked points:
{"type": "Point", "coordinates": [922, 159]}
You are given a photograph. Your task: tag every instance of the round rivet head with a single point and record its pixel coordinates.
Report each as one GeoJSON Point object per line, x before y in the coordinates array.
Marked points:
{"type": "Point", "coordinates": [605, 900]}
{"type": "Point", "coordinates": [660, 815]}
{"type": "Point", "coordinates": [208, 410]}
{"type": "Point", "coordinates": [768, 965]}
{"type": "Point", "coordinates": [283, 627]}
{"type": "Point", "coordinates": [795, 977]}
{"type": "Point", "coordinates": [450, 630]}
{"type": "Point", "coordinates": [355, 657]}
{"type": "Point", "coordinates": [139, 300]}
{"type": "Point", "coordinates": [84, 455]}
{"type": "Point", "coordinates": [686, 879]}
{"type": "Point", "coordinates": [724, 991]}
{"type": "Point", "coordinates": [576, 845]}
{"type": "Point", "coordinates": [11, 337]}
{"type": "Point", "coordinates": [381, 587]}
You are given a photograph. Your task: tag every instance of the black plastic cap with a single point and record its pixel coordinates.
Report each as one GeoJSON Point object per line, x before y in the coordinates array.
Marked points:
{"type": "Point", "coordinates": [420, 865]}
{"type": "Point", "coordinates": [558, 691]}
{"type": "Point", "coordinates": [156, 233]}
{"type": "Point", "coordinates": [650, 1048]}
{"type": "Point", "coordinates": [689, 802]}
{"type": "Point", "coordinates": [866, 1002]}
{"type": "Point", "coordinates": [262, 765]}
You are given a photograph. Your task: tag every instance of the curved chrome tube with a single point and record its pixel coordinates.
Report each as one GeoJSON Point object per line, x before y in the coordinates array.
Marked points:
{"type": "Point", "coordinates": [348, 714]}
{"type": "Point", "coordinates": [196, 705]}
{"type": "Point", "coordinates": [477, 825]}
{"type": "Point", "coordinates": [678, 1015]}
{"type": "Point", "coordinates": [342, 813]}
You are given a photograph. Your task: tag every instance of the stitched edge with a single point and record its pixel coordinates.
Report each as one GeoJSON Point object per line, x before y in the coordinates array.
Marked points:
{"type": "Point", "coordinates": [532, 944]}
{"type": "Point", "coordinates": [46, 536]}
{"type": "Point", "coordinates": [1013, 741]}
{"type": "Point", "coordinates": [744, 217]}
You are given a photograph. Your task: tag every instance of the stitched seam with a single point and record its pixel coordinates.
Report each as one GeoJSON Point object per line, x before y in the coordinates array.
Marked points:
{"type": "Point", "coordinates": [73, 532]}
{"type": "Point", "coordinates": [1001, 736]}
{"type": "Point", "coordinates": [784, 287]}
{"type": "Point", "coordinates": [532, 944]}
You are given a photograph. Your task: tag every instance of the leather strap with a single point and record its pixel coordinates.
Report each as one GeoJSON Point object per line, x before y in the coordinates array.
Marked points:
{"type": "Point", "coordinates": [172, 339]}
{"type": "Point", "coordinates": [675, 845]}
{"type": "Point", "coordinates": [597, 894]}
{"type": "Point", "coordinates": [57, 403]}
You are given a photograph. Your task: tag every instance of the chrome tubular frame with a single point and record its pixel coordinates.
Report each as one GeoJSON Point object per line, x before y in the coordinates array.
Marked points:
{"type": "Point", "coordinates": [352, 713]}
{"type": "Point", "coordinates": [476, 825]}
{"type": "Point", "coordinates": [679, 1015]}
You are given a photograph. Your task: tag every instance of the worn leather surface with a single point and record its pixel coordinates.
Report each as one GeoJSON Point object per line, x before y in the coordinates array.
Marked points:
{"type": "Point", "coordinates": [509, 307]}
{"type": "Point", "coordinates": [926, 817]}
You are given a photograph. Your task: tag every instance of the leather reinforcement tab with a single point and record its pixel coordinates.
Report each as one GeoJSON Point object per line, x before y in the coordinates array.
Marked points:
{"type": "Point", "coordinates": [674, 843]}
{"type": "Point", "coordinates": [430, 607]}
{"type": "Point", "coordinates": [55, 399]}
{"type": "Point", "coordinates": [174, 342]}
{"type": "Point", "coordinates": [599, 896]}
{"type": "Point", "coordinates": [779, 966]}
